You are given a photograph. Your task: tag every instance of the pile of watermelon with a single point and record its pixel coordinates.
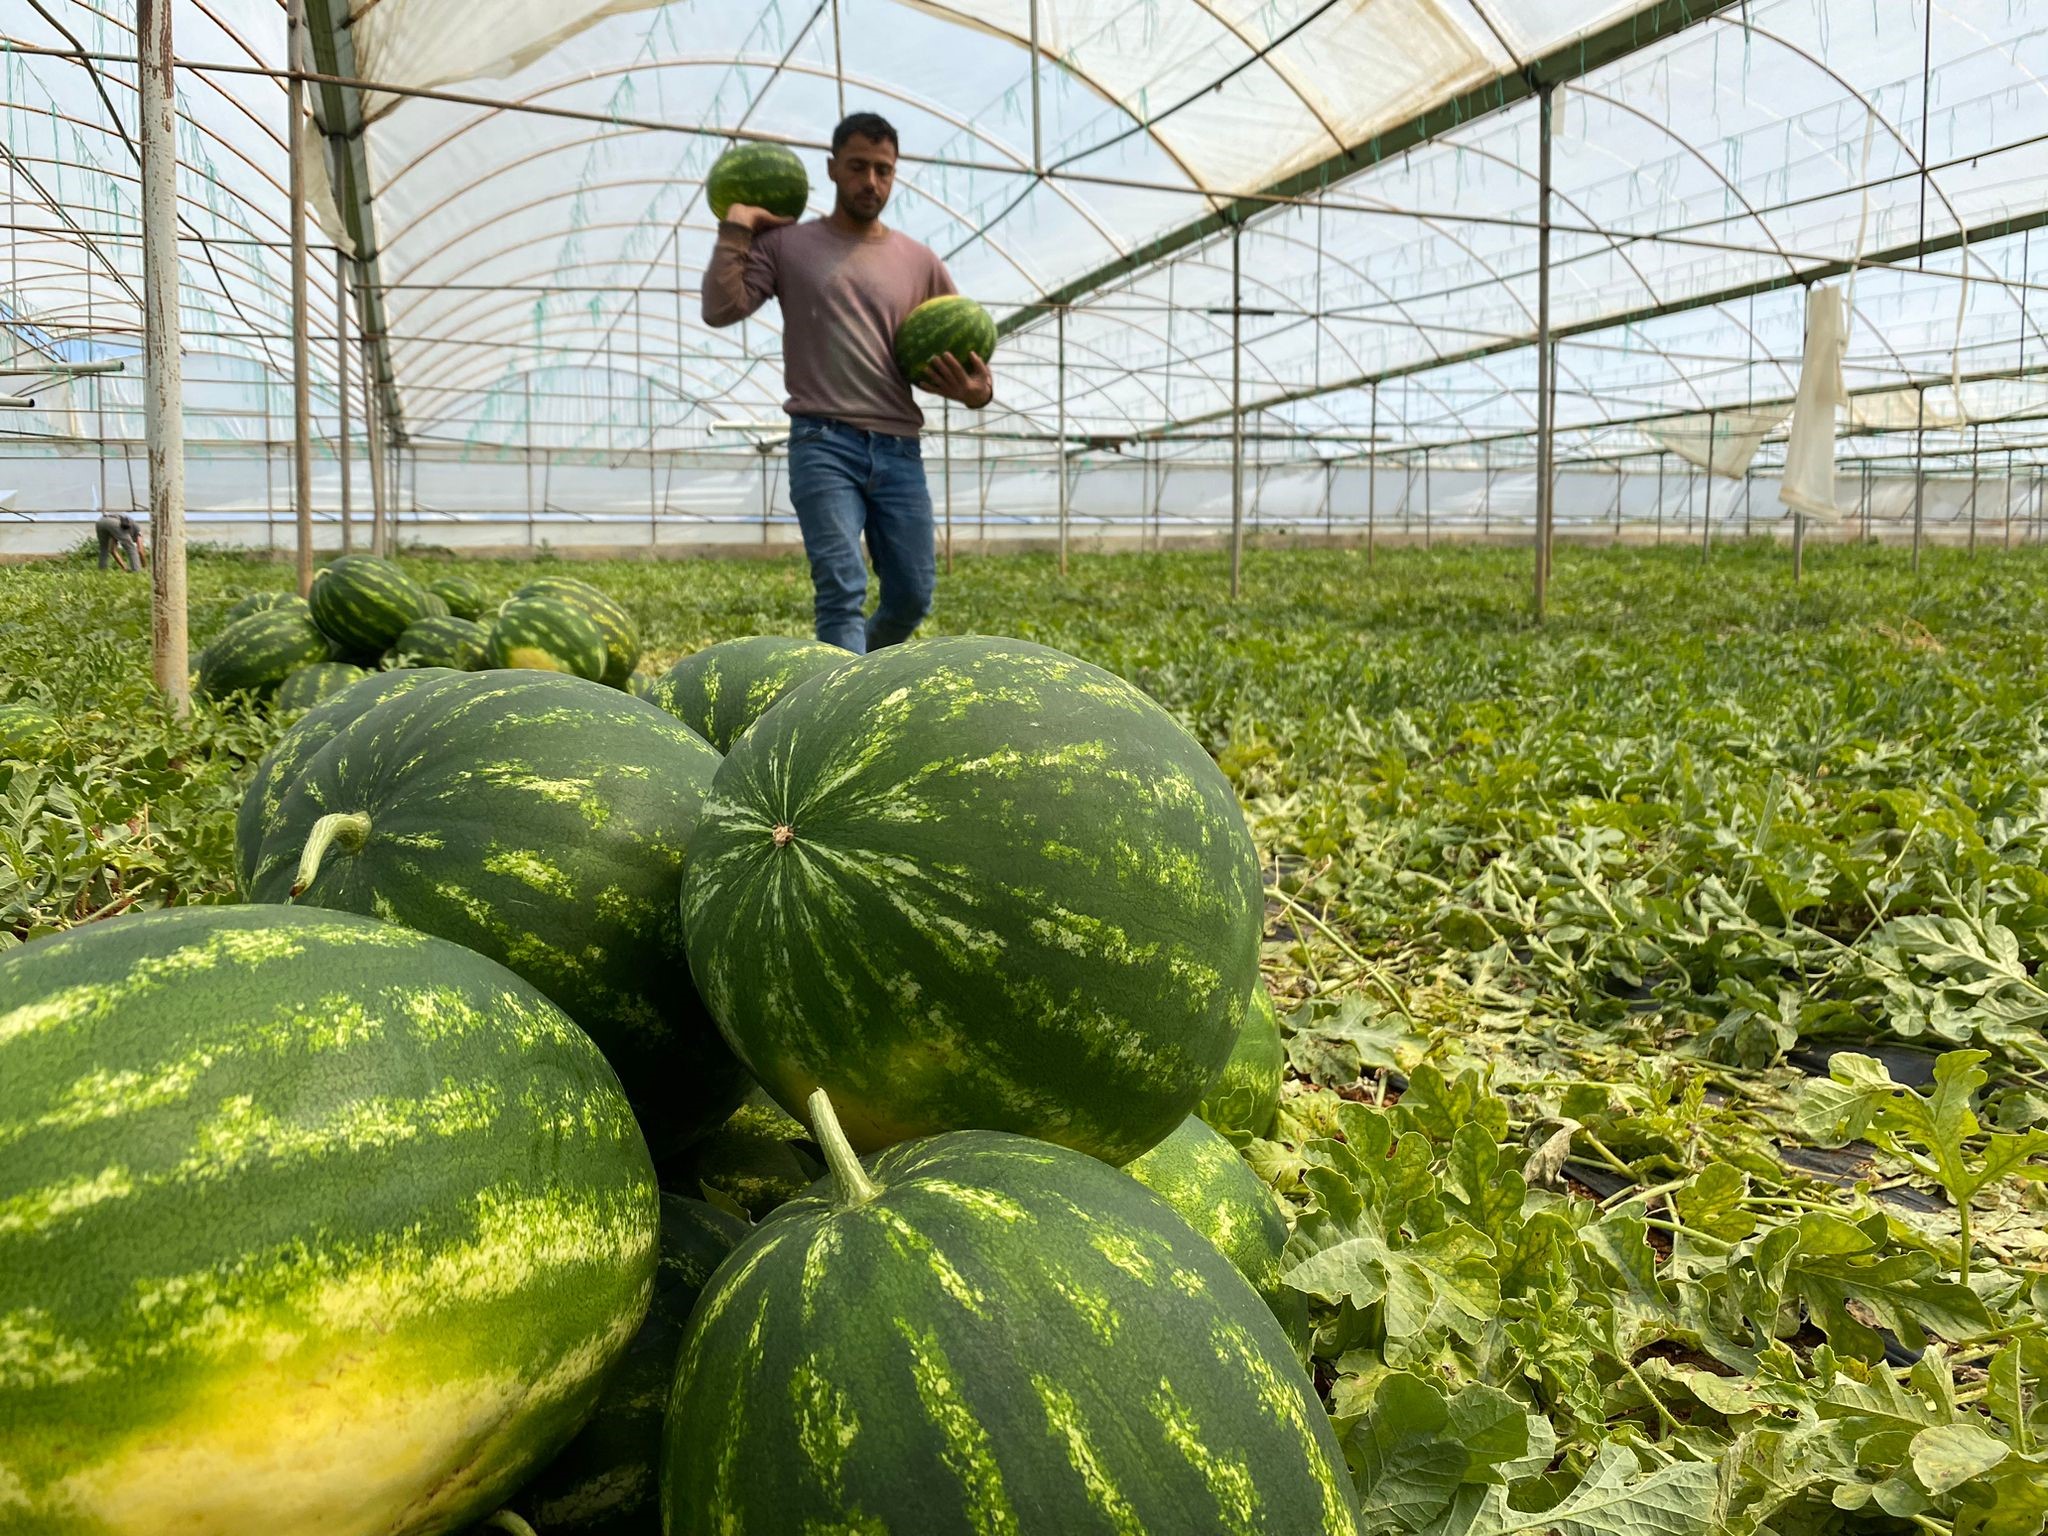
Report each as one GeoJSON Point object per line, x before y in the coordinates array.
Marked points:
{"type": "Point", "coordinates": [796, 1100]}
{"type": "Point", "coordinates": [366, 614]}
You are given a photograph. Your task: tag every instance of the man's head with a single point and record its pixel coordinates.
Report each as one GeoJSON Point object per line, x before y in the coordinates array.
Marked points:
{"type": "Point", "coordinates": [862, 166]}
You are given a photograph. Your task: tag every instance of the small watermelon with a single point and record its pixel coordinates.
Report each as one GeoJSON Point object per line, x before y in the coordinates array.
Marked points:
{"type": "Point", "coordinates": [1245, 1098]}
{"type": "Point", "coordinates": [364, 603]}
{"type": "Point", "coordinates": [724, 688]}
{"type": "Point", "coordinates": [980, 1333]}
{"type": "Point", "coordinates": [312, 1224]}
{"type": "Point", "coordinates": [545, 634]}
{"type": "Point", "coordinates": [1202, 1176]}
{"type": "Point", "coordinates": [441, 642]}
{"type": "Point", "coordinates": [434, 606]}
{"type": "Point", "coordinates": [465, 599]}
{"type": "Point", "coordinates": [621, 635]}
{"type": "Point", "coordinates": [255, 654]}
{"type": "Point", "coordinates": [946, 324]}
{"type": "Point", "coordinates": [605, 1482]}
{"type": "Point", "coordinates": [322, 680]}
{"type": "Point", "coordinates": [976, 883]}
{"type": "Point", "coordinates": [759, 176]}
{"type": "Point", "coordinates": [539, 820]}
{"type": "Point", "coordinates": [279, 770]}
{"type": "Point", "coordinates": [28, 731]}
{"type": "Point", "coordinates": [263, 602]}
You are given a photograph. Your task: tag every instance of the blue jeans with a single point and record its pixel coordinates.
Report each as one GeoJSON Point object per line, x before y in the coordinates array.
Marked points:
{"type": "Point", "coordinates": [846, 482]}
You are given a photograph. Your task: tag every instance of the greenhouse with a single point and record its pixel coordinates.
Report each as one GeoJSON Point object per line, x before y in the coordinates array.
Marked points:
{"type": "Point", "coordinates": [1047, 767]}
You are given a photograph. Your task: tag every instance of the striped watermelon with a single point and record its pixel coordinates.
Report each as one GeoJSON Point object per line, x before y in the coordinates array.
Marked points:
{"type": "Point", "coordinates": [725, 688]}
{"type": "Point", "coordinates": [311, 1225]}
{"type": "Point", "coordinates": [434, 606]}
{"type": "Point", "coordinates": [465, 599]}
{"type": "Point", "coordinates": [949, 323]}
{"type": "Point", "coordinates": [621, 635]}
{"type": "Point", "coordinates": [545, 634]}
{"type": "Point", "coordinates": [279, 770]}
{"type": "Point", "coordinates": [1202, 1176]}
{"type": "Point", "coordinates": [759, 176]}
{"type": "Point", "coordinates": [441, 642]}
{"type": "Point", "coordinates": [255, 654]}
{"type": "Point", "coordinates": [605, 1481]}
{"type": "Point", "coordinates": [263, 602]}
{"type": "Point", "coordinates": [984, 1333]}
{"type": "Point", "coordinates": [976, 883]}
{"type": "Point", "coordinates": [322, 680]}
{"type": "Point", "coordinates": [539, 820]}
{"type": "Point", "coordinates": [1245, 1099]}
{"type": "Point", "coordinates": [364, 603]}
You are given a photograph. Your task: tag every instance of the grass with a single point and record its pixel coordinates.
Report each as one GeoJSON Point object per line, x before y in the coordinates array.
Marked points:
{"type": "Point", "coordinates": [1583, 909]}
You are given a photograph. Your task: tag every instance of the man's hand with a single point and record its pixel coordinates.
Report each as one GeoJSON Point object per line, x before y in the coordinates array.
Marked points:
{"type": "Point", "coordinates": [971, 384]}
{"type": "Point", "coordinates": [747, 216]}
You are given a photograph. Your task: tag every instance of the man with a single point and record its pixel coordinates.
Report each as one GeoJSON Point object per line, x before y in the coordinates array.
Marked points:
{"type": "Point", "coordinates": [118, 528]}
{"type": "Point", "coordinates": [846, 283]}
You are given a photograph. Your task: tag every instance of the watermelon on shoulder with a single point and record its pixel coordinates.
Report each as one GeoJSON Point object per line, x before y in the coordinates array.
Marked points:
{"type": "Point", "coordinates": [976, 883]}
{"type": "Point", "coordinates": [721, 690]}
{"type": "Point", "coordinates": [253, 655]}
{"type": "Point", "coordinates": [950, 323]}
{"type": "Point", "coordinates": [313, 1224]}
{"type": "Point", "coordinates": [363, 603]}
{"type": "Point", "coordinates": [546, 634]}
{"type": "Point", "coordinates": [539, 820]}
{"type": "Point", "coordinates": [980, 1332]}
{"type": "Point", "coordinates": [761, 176]}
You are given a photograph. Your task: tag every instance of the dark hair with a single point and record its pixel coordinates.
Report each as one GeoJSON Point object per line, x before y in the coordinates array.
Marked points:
{"type": "Point", "coordinates": [866, 125]}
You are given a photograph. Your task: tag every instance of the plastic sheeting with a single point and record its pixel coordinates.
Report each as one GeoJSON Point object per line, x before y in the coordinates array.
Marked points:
{"type": "Point", "coordinates": [1809, 473]}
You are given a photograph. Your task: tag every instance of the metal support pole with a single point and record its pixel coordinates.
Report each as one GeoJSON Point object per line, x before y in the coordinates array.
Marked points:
{"type": "Point", "coordinates": [1617, 500]}
{"type": "Point", "coordinates": [1428, 500]}
{"type": "Point", "coordinates": [1486, 493]}
{"type": "Point", "coordinates": [1372, 479]}
{"type": "Point", "coordinates": [348, 541]}
{"type": "Point", "coordinates": [838, 60]}
{"type": "Point", "coordinates": [767, 489]}
{"type": "Point", "coordinates": [2007, 519]}
{"type": "Point", "coordinates": [1060, 447]}
{"type": "Point", "coordinates": [1919, 474]}
{"type": "Point", "coordinates": [1329, 497]}
{"type": "Point", "coordinates": [1707, 509]}
{"type": "Point", "coordinates": [373, 434]}
{"type": "Point", "coordinates": [1545, 403]}
{"type": "Point", "coordinates": [163, 404]}
{"type": "Point", "coordinates": [1236, 411]}
{"type": "Point", "coordinates": [1866, 501]}
{"type": "Point", "coordinates": [1798, 546]}
{"type": "Point", "coordinates": [1158, 497]}
{"type": "Point", "coordinates": [946, 444]}
{"type": "Point", "coordinates": [302, 372]}
{"type": "Point", "coordinates": [1660, 499]}
{"type": "Point", "coordinates": [1037, 134]}
{"type": "Point", "coordinates": [1974, 465]}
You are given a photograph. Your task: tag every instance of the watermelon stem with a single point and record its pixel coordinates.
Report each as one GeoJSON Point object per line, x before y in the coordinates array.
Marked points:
{"type": "Point", "coordinates": [855, 1187]}
{"type": "Point", "coordinates": [346, 828]}
{"type": "Point", "coordinates": [505, 1520]}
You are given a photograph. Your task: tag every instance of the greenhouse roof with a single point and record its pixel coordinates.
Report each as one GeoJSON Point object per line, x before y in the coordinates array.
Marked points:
{"type": "Point", "coordinates": [534, 223]}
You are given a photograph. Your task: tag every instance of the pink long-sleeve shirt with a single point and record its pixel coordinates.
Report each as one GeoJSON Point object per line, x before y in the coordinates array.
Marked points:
{"type": "Point", "coordinates": [843, 296]}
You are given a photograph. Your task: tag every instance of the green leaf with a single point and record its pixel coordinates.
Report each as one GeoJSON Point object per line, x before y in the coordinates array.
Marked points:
{"type": "Point", "coordinates": [1616, 1498]}
{"type": "Point", "coordinates": [1712, 1202]}
{"type": "Point", "coordinates": [1415, 1448]}
{"type": "Point", "coordinates": [1949, 1455]}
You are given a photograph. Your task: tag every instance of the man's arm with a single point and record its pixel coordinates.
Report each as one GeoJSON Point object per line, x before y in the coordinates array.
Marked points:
{"type": "Point", "coordinates": [741, 274]}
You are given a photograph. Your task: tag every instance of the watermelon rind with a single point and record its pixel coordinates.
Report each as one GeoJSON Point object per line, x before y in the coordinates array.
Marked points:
{"type": "Point", "coordinates": [314, 1223]}
{"type": "Point", "coordinates": [442, 641]}
{"type": "Point", "coordinates": [309, 685]}
{"type": "Point", "coordinates": [1206, 1179]}
{"type": "Point", "coordinates": [1244, 1100]}
{"type": "Point", "coordinates": [760, 176]}
{"type": "Point", "coordinates": [364, 603]}
{"type": "Point", "coordinates": [976, 883]}
{"type": "Point", "coordinates": [980, 1332]}
{"type": "Point", "coordinates": [951, 323]}
{"type": "Point", "coordinates": [546, 634]}
{"type": "Point", "coordinates": [540, 820]}
{"type": "Point", "coordinates": [721, 690]}
{"type": "Point", "coordinates": [606, 1481]}
{"type": "Point", "coordinates": [621, 635]}
{"type": "Point", "coordinates": [279, 769]}
{"type": "Point", "coordinates": [465, 598]}
{"type": "Point", "coordinates": [253, 655]}
{"type": "Point", "coordinates": [264, 602]}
